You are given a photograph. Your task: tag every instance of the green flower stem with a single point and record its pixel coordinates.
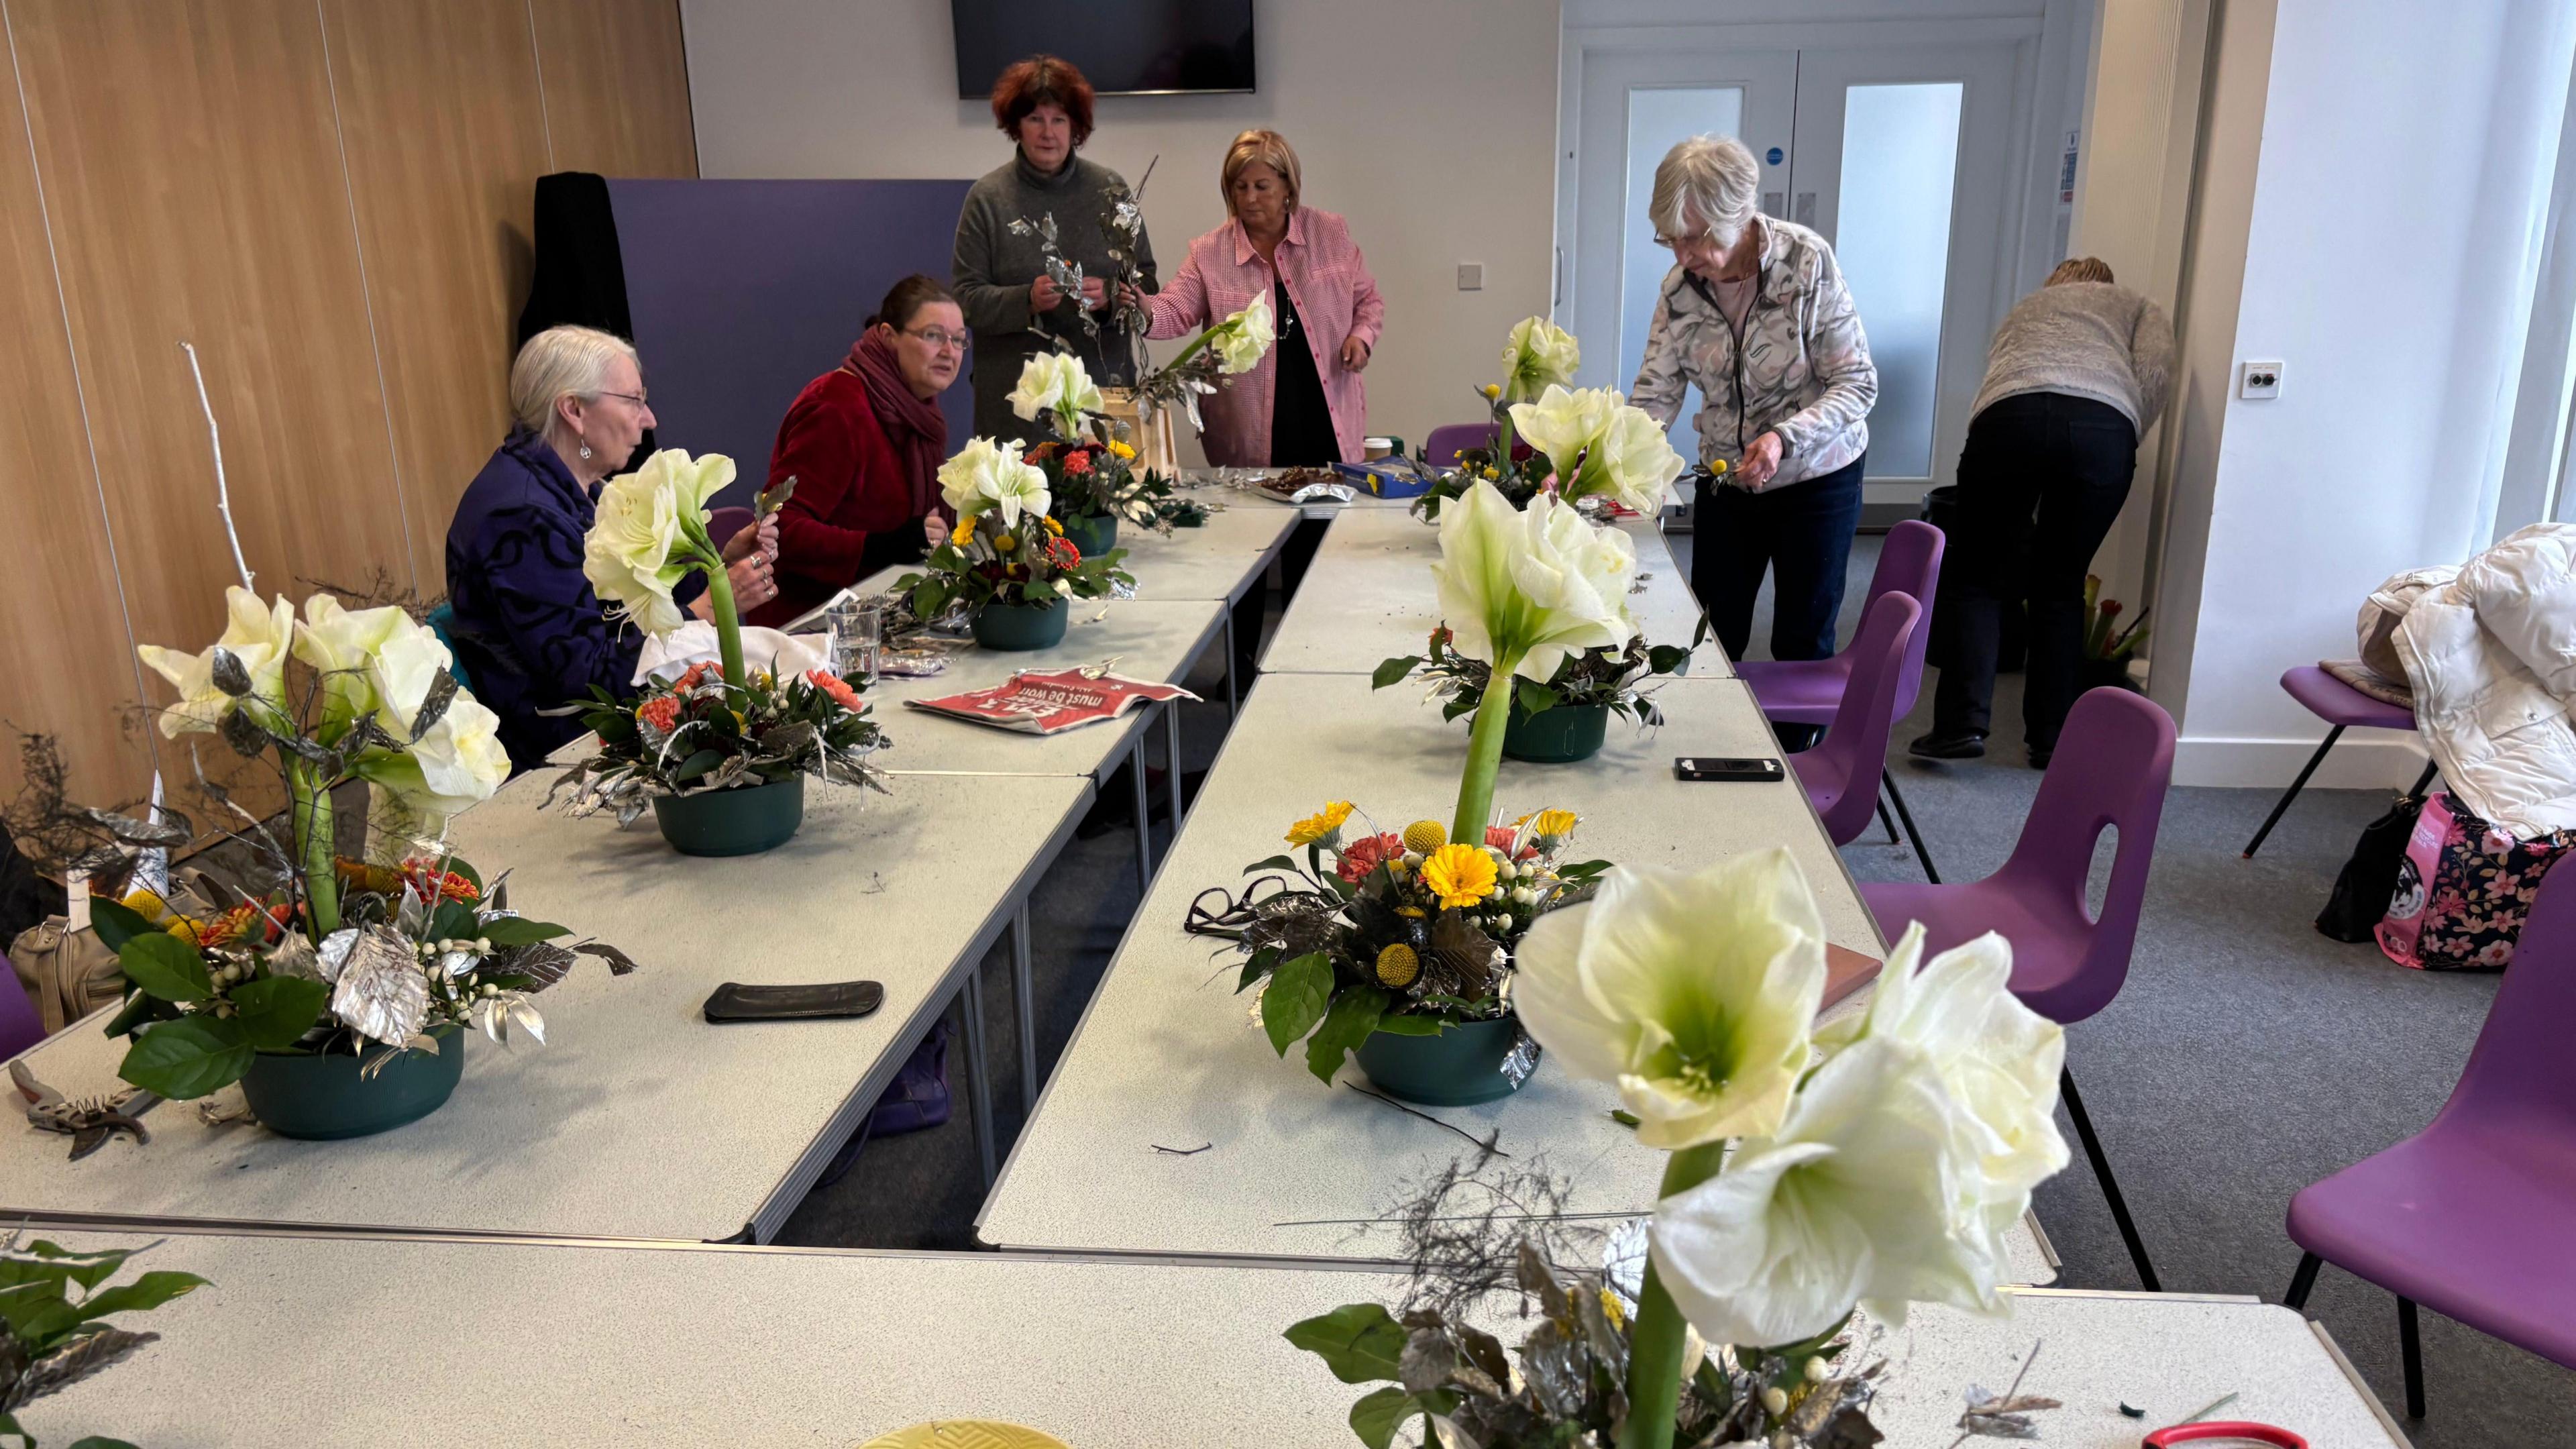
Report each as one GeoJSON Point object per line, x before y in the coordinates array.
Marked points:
{"type": "Point", "coordinates": [1484, 755]}
{"type": "Point", "coordinates": [1655, 1348]}
{"type": "Point", "coordinates": [311, 821]}
{"type": "Point", "coordinates": [1195, 344]}
{"type": "Point", "coordinates": [728, 621]}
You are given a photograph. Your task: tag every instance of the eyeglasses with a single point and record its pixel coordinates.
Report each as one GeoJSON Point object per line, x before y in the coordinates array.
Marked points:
{"type": "Point", "coordinates": [940, 338]}
{"type": "Point", "coordinates": [636, 398]}
{"type": "Point", "coordinates": [1677, 243]}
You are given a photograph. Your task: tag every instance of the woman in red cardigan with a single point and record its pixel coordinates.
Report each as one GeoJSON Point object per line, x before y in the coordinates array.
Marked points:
{"type": "Point", "coordinates": [864, 443]}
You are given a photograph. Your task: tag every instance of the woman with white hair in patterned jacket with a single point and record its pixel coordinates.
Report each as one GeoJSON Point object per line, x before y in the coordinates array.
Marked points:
{"type": "Point", "coordinates": [1755, 314]}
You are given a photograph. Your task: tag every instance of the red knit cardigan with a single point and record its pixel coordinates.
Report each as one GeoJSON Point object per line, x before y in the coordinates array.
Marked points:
{"type": "Point", "coordinates": [849, 486]}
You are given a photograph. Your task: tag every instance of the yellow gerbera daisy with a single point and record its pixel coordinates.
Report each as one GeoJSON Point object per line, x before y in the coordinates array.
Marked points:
{"type": "Point", "coordinates": [1121, 449]}
{"type": "Point", "coordinates": [1397, 966]}
{"type": "Point", "coordinates": [1460, 875]}
{"type": "Point", "coordinates": [1425, 836]}
{"type": "Point", "coordinates": [1556, 824]}
{"type": "Point", "coordinates": [1055, 528]}
{"type": "Point", "coordinates": [965, 533]}
{"type": "Point", "coordinates": [1323, 825]}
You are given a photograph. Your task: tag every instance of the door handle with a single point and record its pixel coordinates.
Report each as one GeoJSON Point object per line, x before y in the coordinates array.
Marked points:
{"type": "Point", "coordinates": [1806, 214]}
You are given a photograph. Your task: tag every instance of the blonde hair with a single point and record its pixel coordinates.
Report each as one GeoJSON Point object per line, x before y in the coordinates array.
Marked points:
{"type": "Point", "coordinates": [562, 362]}
{"type": "Point", "coordinates": [1706, 181]}
{"type": "Point", "coordinates": [2080, 269]}
{"type": "Point", "coordinates": [1270, 149]}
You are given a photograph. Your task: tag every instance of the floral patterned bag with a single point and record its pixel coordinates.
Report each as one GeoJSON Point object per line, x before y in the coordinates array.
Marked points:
{"type": "Point", "coordinates": [2463, 890]}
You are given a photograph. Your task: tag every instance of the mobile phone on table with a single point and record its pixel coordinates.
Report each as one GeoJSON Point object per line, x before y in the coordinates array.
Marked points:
{"type": "Point", "coordinates": [1705, 767]}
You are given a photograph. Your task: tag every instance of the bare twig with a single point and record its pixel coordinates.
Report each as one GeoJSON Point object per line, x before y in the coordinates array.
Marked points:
{"type": "Point", "coordinates": [1484, 1145]}
{"type": "Point", "coordinates": [1182, 1151]}
{"type": "Point", "coordinates": [215, 439]}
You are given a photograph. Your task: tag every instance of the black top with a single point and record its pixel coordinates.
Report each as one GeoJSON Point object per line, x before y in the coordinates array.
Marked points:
{"type": "Point", "coordinates": [1301, 423]}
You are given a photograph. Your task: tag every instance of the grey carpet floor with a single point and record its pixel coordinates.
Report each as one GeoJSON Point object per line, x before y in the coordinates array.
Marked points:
{"type": "Point", "coordinates": [2246, 1057]}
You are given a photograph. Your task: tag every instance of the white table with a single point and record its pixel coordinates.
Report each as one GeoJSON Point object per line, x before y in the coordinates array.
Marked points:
{"type": "Point", "coordinates": [429, 1343]}
{"type": "Point", "coordinates": [1167, 1054]}
{"type": "Point", "coordinates": [636, 1119]}
{"type": "Point", "coordinates": [1369, 597]}
{"type": "Point", "coordinates": [1222, 560]}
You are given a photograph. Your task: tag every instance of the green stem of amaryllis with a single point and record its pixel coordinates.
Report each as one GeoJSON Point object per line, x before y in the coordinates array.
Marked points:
{"type": "Point", "coordinates": [728, 621]}
{"type": "Point", "coordinates": [1655, 1348]}
{"type": "Point", "coordinates": [311, 822]}
{"type": "Point", "coordinates": [1484, 755]}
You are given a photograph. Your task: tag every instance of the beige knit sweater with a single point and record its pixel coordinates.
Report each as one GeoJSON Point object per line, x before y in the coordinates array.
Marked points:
{"type": "Point", "coordinates": [2085, 339]}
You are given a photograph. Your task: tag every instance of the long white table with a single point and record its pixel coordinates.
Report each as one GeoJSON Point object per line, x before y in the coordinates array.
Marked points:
{"type": "Point", "coordinates": [1368, 597]}
{"type": "Point", "coordinates": [429, 1343]}
{"type": "Point", "coordinates": [636, 1118]}
{"type": "Point", "coordinates": [1169, 1056]}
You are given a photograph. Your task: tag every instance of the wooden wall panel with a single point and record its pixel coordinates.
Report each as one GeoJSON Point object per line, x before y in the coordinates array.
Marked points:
{"type": "Point", "coordinates": [63, 644]}
{"type": "Point", "coordinates": [194, 173]}
{"type": "Point", "coordinates": [446, 134]}
{"type": "Point", "coordinates": [617, 86]}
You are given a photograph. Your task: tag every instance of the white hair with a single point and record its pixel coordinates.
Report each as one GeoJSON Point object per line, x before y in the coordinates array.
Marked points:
{"type": "Point", "coordinates": [562, 362]}
{"type": "Point", "coordinates": [1706, 182]}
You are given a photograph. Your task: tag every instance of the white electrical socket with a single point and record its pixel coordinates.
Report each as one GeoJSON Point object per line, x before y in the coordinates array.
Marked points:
{"type": "Point", "coordinates": [1471, 276]}
{"type": "Point", "coordinates": [2261, 379]}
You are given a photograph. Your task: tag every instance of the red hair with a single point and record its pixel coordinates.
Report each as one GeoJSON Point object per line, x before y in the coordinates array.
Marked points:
{"type": "Point", "coordinates": [1037, 81]}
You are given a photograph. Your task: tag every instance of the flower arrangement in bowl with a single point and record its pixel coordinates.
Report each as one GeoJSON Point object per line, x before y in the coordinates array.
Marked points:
{"type": "Point", "coordinates": [1813, 1171]}
{"type": "Point", "coordinates": [1093, 483]}
{"type": "Point", "coordinates": [1559, 722]}
{"type": "Point", "coordinates": [1398, 946]}
{"type": "Point", "coordinates": [332, 991]}
{"type": "Point", "coordinates": [1586, 444]}
{"type": "Point", "coordinates": [1007, 562]}
{"type": "Point", "coordinates": [720, 756]}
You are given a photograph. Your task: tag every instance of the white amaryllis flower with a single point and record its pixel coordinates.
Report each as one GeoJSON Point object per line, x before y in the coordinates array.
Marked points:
{"type": "Point", "coordinates": [1632, 460]}
{"type": "Point", "coordinates": [1241, 340]}
{"type": "Point", "coordinates": [341, 645]}
{"type": "Point", "coordinates": [1056, 385]}
{"type": "Point", "coordinates": [638, 549]}
{"type": "Point", "coordinates": [1848, 1203]}
{"type": "Point", "coordinates": [259, 635]}
{"type": "Point", "coordinates": [1531, 587]}
{"type": "Point", "coordinates": [1999, 1061]}
{"type": "Point", "coordinates": [988, 477]}
{"type": "Point", "coordinates": [1563, 424]}
{"type": "Point", "coordinates": [1695, 993]}
{"type": "Point", "coordinates": [459, 759]}
{"type": "Point", "coordinates": [1538, 354]}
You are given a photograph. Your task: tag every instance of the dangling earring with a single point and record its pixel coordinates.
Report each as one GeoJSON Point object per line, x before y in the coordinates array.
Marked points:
{"type": "Point", "coordinates": [585, 450]}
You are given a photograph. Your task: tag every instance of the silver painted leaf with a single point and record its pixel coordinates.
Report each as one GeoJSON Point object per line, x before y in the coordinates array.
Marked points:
{"type": "Point", "coordinates": [228, 672]}
{"type": "Point", "coordinates": [381, 993]}
{"type": "Point", "coordinates": [335, 952]}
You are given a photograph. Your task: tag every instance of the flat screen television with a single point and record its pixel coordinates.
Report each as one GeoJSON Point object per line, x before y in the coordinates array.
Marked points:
{"type": "Point", "coordinates": [1124, 47]}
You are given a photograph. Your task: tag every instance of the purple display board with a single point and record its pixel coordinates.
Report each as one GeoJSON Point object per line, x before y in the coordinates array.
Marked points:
{"type": "Point", "coordinates": [745, 291]}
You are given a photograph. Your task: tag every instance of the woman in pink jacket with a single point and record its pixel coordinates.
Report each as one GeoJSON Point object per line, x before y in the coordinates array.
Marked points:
{"type": "Point", "coordinates": [1303, 404]}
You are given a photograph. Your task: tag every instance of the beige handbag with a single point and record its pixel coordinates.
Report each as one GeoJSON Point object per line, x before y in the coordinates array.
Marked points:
{"type": "Point", "coordinates": [67, 972]}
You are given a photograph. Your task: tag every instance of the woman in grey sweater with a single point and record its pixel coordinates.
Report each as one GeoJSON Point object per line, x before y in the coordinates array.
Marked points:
{"type": "Point", "coordinates": [2079, 369]}
{"type": "Point", "coordinates": [1014, 308]}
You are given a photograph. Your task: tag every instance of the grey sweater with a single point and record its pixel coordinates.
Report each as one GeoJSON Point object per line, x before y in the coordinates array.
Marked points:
{"type": "Point", "coordinates": [2084, 339]}
{"type": "Point", "coordinates": [992, 271]}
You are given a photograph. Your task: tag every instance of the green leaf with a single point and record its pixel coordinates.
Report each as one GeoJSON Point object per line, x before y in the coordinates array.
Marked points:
{"type": "Point", "coordinates": [117, 923]}
{"type": "Point", "coordinates": [1393, 671]}
{"type": "Point", "coordinates": [1665, 658]}
{"type": "Point", "coordinates": [1535, 698]}
{"type": "Point", "coordinates": [1360, 1342]}
{"type": "Point", "coordinates": [187, 1058]}
{"type": "Point", "coordinates": [167, 967]}
{"type": "Point", "coordinates": [1276, 862]}
{"type": "Point", "coordinates": [696, 765]}
{"type": "Point", "coordinates": [1347, 1023]}
{"type": "Point", "coordinates": [1623, 1117]}
{"type": "Point", "coordinates": [456, 864]}
{"type": "Point", "coordinates": [454, 920]}
{"type": "Point", "coordinates": [147, 1292]}
{"type": "Point", "coordinates": [1411, 1025]}
{"type": "Point", "coordinates": [95, 1441]}
{"type": "Point", "coordinates": [275, 1010]}
{"type": "Point", "coordinates": [1296, 999]}
{"type": "Point", "coordinates": [508, 931]}
{"type": "Point", "coordinates": [138, 1009]}
{"type": "Point", "coordinates": [1377, 1417]}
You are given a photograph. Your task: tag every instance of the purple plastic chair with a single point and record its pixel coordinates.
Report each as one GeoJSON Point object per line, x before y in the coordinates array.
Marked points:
{"type": "Point", "coordinates": [1841, 774]}
{"type": "Point", "coordinates": [21, 1026]}
{"type": "Point", "coordinates": [2472, 1217]}
{"type": "Point", "coordinates": [2111, 769]}
{"type": "Point", "coordinates": [724, 523]}
{"type": "Point", "coordinates": [2340, 705]}
{"type": "Point", "coordinates": [1448, 440]}
{"type": "Point", "coordinates": [1809, 691]}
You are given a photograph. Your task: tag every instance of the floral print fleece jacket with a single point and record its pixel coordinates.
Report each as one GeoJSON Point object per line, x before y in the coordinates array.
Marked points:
{"type": "Point", "coordinates": [1798, 366]}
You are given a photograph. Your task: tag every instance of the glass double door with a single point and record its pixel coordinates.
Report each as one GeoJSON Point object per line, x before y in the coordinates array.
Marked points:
{"type": "Point", "coordinates": [1898, 156]}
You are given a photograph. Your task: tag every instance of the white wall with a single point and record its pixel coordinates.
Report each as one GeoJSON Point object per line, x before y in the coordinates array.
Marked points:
{"type": "Point", "coordinates": [2388, 256]}
{"type": "Point", "coordinates": [1431, 124]}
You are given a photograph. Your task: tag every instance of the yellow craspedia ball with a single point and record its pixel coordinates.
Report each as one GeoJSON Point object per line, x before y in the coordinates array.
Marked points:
{"type": "Point", "coordinates": [1425, 836]}
{"type": "Point", "coordinates": [1006, 543]}
{"type": "Point", "coordinates": [1491, 390]}
{"type": "Point", "coordinates": [1397, 966]}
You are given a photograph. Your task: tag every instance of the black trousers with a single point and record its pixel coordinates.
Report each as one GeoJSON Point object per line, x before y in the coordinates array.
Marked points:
{"type": "Point", "coordinates": [2041, 480]}
{"type": "Point", "coordinates": [1801, 533]}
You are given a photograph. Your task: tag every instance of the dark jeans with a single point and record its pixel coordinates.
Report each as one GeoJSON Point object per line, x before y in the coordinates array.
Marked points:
{"type": "Point", "coordinates": [2041, 480]}
{"type": "Point", "coordinates": [1802, 532]}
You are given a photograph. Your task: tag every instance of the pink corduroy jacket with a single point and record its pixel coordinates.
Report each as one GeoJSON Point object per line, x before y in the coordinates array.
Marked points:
{"type": "Point", "coordinates": [1335, 296]}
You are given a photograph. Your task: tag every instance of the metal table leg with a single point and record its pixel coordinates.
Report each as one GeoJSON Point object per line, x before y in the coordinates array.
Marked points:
{"type": "Point", "coordinates": [979, 1082]}
{"type": "Point", "coordinates": [1233, 699]}
{"type": "Point", "coordinates": [1144, 816]}
{"type": "Point", "coordinates": [1172, 759]}
{"type": "Point", "coordinates": [1026, 1010]}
